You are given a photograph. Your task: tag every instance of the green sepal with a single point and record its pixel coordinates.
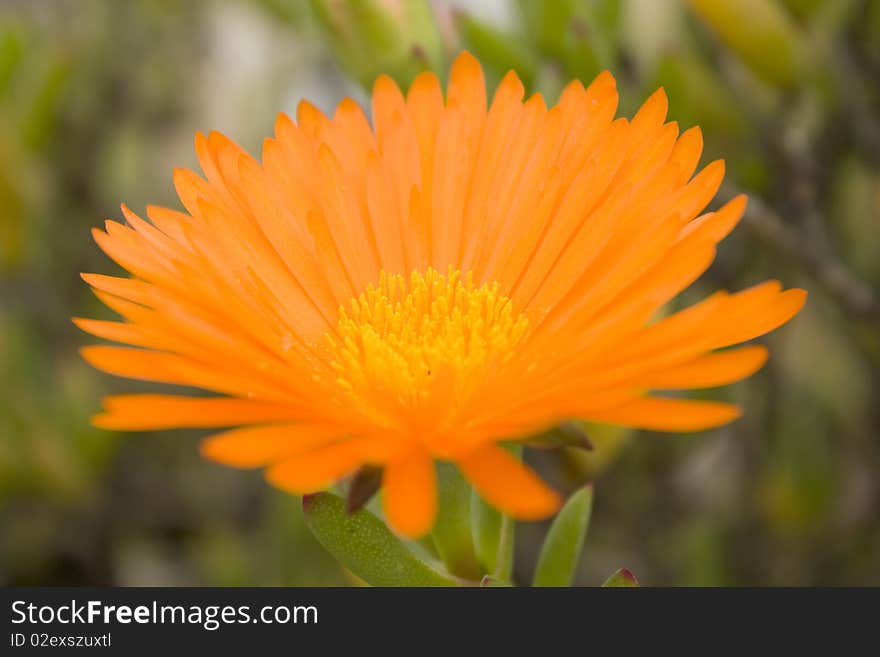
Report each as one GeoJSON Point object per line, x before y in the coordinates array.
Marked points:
{"type": "Point", "coordinates": [493, 538]}
{"type": "Point", "coordinates": [489, 582]}
{"type": "Point", "coordinates": [370, 37]}
{"type": "Point", "coordinates": [761, 33]}
{"type": "Point", "coordinates": [498, 51]}
{"type": "Point", "coordinates": [494, 533]}
{"type": "Point", "coordinates": [621, 578]}
{"type": "Point", "coordinates": [565, 541]}
{"type": "Point", "coordinates": [452, 530]}
{"type": "Point", "coordinates": [364, 545]}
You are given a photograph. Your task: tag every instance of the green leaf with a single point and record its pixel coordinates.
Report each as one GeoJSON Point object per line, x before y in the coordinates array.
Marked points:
{"type": "Point", "coordinates": [39, 120]}
{"type": "Point", "coordinates": [545, 24]}
{"type": "Point", "coordinates": [498, 51]}
{"type": "Point", "coordinates": [370, 37]}
{"type": "Point", "coordinates": [452, 529]}
{"type": "Point", "coordinates": [363, 544]}
{"type": "Point", "coordinates": [493, 538]}
{"type": "Point", "coordinates": [489, 582]}
{"type": "Point", "coordinates": [294, 12]}
{"type": "Point", "coordinates": [761, 33]}
{"type": "Point", "coordinates": [12, 50]}
{"type": "Point", "coordinates": [493, 533]}
{"type": "Point", "coordinates": [621, 578]}
{"type": "Point", "coordinates": [565, 541]}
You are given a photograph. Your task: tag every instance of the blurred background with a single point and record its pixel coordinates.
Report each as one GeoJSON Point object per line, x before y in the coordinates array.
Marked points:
{"type": "Point", "coordinates": [99, 100]}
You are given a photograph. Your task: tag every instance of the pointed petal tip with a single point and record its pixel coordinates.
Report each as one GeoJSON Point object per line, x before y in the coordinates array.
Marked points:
{"type": "Point", "coordinates": [383, 84]}
{"type": "Point", "coordinates": [282, 122]}
{"type": "Point", "coordinates": [179, 175]}
{"type": "Point", "coordinates": [426, 81]}
{"type": "Point", "coordinates": [465, 64]}
{"type": "Point", "coordinates": [719, 164]}
{"type": "Point", "coordinates": [552, 504]}
{"type": "Point", "coordinates": [736, 412]}
{"type": "Point", "coordinates": [109, 421]}
{"type": "Point", "coordinates": [510, 85]}
{"type": "Point", "coordinates": [207, 449]}
{"type": "Point", "coordinates": [201, 142]}
{"type": "Point", "coordinates": [606, 77]}
{"type": "Point", "coordinates": [800, 294]}
{"type": "Point", "coordinates": [347, 104]}
{"type": "Point", "coordinates": [465, 57]}
{"type": "Point", "coordinates": [101, 421]}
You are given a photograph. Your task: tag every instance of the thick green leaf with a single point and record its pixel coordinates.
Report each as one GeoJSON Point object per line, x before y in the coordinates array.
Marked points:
{"type": "Point", "coordinates": [565, 541]}
{"type": "Point", "coordinates": [363, 544]}
{"type": "Point", "coordinates": [369, 37]}
{"type": "Point", "coordinates": [498, 51]}
{"type": "Point", "coordinates": [493, 538]}
{"type": "Point", "coordinates": [12, 50]}
{"type": "Point", "coordinates": [489, 582]}
{"type": "Point", "coordinates": [452, 529]}
{"type": "Point", "coordinates": [493, 533]}
{"type": "Point", "coordinates": [761, 33]}
{"type": "Point", "coordinates": [545, 24]}
{"type": "Point", "coordinates": [486, 530]}
{"type": "Point", "coordinates": [621, 578]}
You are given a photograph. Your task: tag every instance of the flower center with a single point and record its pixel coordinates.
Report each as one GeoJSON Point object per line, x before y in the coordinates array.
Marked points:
{"type": "Point", "coordinates": [405, 343]}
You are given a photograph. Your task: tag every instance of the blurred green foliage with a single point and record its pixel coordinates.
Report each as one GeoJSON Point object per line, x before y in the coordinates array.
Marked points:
{"type": "Point", "coordinates": [99, 100]}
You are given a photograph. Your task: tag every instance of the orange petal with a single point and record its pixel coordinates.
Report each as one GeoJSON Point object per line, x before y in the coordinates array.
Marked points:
{"type": "Point", "coordinates": [117, 331]}
{"type": "Point", "coordinates": [668, 414]}
{"type": "Point", "coordinates": [131, 289]}
{"type": "Point", "coordinates": [508, 485]}
{"type": "Point", "coordinates": [700, 190]}
{"type": "Point", "coordinates": [717, 225]}
{"type": "Point", "coordinates": [687, 151]}
{"type": "Point", "coordinates": [709, 370]}
{"type": "Point", "coordinates": [312, 471]}
{"type": "Point", "coordinates": [467, 88]}
{"type": "Point", "coordinates": [756, 322]}
{"type": "Point", "coordinates": [388, 105]}
{"type": "Point", "coordinates": [171, 368]}
{"type": "Point", "coordinates": [170, 222]}
{"type": "Point", "coordinates": [649, 118]}
{"type": "Point", "coordinates": [253, 447]}
{"type": "Point", "coordinates": [146, 412]}
{"type": "Point", "coordinates": [409, 496]}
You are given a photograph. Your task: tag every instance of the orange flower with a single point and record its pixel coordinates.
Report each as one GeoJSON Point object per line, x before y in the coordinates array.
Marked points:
{"type": "Point", "coordinates": [423, 289]}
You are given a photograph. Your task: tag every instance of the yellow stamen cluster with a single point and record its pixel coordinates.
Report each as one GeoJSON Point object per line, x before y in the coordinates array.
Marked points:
{"type": "Point", "coordinates": [430, 336]}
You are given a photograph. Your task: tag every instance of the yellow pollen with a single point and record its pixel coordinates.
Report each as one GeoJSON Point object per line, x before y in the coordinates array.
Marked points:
{"type": "Point", "coordinates": [402, 343]}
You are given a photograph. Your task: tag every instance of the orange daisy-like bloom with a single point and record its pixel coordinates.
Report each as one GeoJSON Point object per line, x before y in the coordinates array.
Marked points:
{"type": "Point", "coordinates": [449, 278]}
